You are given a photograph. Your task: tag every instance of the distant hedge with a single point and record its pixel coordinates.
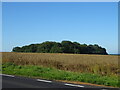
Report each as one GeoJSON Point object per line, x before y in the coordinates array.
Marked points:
{"type": "Point", "coordinates": [63, 47]}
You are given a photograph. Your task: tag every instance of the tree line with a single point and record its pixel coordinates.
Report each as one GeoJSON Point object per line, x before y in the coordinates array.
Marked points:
{"type": "Point", "coordinates": [63, 47]}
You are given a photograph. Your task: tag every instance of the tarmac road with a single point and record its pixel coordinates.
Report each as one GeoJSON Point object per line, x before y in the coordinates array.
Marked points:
{"type": "Point", "coordinates": [10, 81]}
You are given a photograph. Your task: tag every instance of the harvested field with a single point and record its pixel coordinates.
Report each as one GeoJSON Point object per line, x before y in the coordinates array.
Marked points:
{"type": "Point", "coordinates": [98, 64]}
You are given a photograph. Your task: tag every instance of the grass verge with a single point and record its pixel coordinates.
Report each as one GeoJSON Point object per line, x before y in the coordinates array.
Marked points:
{"type": "Point", "coordinates": [55, 74]}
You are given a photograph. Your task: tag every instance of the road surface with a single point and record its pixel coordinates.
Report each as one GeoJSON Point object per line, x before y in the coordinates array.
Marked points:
{"type": "Point", "coordinates": [10, 81]}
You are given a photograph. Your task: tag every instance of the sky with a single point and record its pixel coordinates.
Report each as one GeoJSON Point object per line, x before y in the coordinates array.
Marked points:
{"type": "Point", "coordinates": [60, 0]}
{"type": "Point", "coordinates": [25, 23]}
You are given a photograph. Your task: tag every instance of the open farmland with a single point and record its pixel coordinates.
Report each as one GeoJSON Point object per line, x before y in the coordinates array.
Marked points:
{"type": "Point", "coordinates": [98, 64]}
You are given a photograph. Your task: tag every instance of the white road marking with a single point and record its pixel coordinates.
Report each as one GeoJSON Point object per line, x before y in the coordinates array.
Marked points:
{"type": "Point", "coordinates": [73, 85]}
{"type": "Point", "coordinates": [7, 75]}
{"type": "Point", "coordinates": [44, 80]}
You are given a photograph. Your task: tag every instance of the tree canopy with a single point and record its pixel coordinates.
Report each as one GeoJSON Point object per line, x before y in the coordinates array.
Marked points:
{"type": "Point", "coordinates": [63, 47]}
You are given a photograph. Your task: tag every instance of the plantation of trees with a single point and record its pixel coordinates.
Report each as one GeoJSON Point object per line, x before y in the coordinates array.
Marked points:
{"type": "Point", "coordinates": [63, 47]}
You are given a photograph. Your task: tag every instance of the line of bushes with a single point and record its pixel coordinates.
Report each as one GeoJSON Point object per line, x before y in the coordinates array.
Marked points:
{"type": "Point", "coordinates": [63, 47]}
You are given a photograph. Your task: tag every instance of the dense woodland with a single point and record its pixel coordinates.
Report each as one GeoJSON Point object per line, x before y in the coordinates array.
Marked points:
{"type": "Point", "coordinates": [63, 47]}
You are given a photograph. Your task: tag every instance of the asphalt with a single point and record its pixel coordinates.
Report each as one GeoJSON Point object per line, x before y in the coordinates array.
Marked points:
{"type": "Point", "coordinates": [10, 81]}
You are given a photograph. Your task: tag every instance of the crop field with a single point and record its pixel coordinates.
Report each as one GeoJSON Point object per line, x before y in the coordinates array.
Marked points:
{"type": "Point", "coordinates": [96, 64]}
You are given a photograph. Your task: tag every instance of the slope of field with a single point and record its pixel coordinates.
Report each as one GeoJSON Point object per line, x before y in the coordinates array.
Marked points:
{"type": "Point", "coordinates": [97, 64]}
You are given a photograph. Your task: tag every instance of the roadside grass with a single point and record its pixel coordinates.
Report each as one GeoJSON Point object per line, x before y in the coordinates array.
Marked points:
{"type": "Point", "coordinates": [51, 73]}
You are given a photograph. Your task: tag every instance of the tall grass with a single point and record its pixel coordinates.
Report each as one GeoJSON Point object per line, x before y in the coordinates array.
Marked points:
{"type": "Point", "coordinates": [97, 64]}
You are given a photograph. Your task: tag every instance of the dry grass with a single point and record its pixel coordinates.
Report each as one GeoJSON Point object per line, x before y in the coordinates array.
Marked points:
{"type": "Point", "coordinates": [99, 64]}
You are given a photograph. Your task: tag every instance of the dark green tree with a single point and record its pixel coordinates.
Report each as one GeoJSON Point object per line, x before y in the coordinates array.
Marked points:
{"type": "Point", "coordinates": [57, 48]}
{"type": "Point", "coordinates": [68, 47]}
{"type": "Point", "coordinates": [63, 47]}
{"type": "Point", "coordinates": [16, 49]}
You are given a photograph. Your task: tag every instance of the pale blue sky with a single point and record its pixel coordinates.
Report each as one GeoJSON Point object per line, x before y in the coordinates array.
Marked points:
{"type": "Point", "coordinates": [60, 0]}
{"type": "Point", "coordinates": [89, 22]}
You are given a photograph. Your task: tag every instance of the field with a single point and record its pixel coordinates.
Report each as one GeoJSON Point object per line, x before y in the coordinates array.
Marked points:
{"type": "Point", "coordinates": [96, 69]}
{"type": "Point", "coordinates": [95, 64]}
